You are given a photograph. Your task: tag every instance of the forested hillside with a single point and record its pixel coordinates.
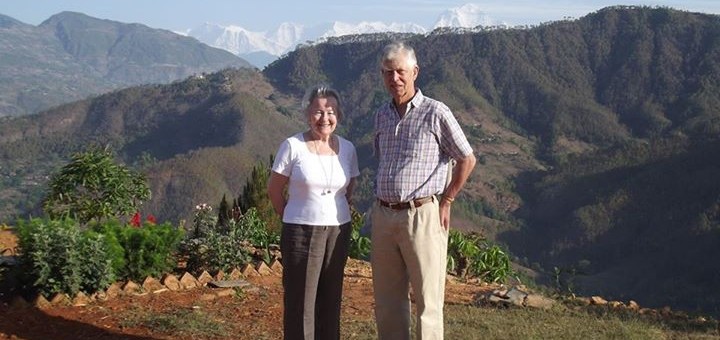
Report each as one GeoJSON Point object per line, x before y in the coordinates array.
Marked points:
{"type": "Point", "coordinates": [71, 56]}
{"type": "Point", "coordinates": [597, 141]}
{"type": "Point", "coordinates": [195, 140]}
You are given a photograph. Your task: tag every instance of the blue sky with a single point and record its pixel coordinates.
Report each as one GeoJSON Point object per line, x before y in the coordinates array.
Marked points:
{"type": "Point", "coordinates": [261, 15]}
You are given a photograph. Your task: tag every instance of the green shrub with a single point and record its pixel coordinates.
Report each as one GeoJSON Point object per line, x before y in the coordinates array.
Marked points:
{"type": "Point", "coordinates": [461, 250]}
{"type": "Point", "coordinates": [93, 186]}
{"type": "Point", "coordinates": [472, 255]}
{"type": "Point", "coordinates": [96, 264]}
{"type": "Point", "coordinates": [146, 251]}
{"type": "Point", "coordinates": [224, 248]}
{"type": "Point", "coordinates": [57, 257]}
{"type": "Point", "coordinates": [492, 264]}
{"type": "Point", "coordinates": [359, 245]}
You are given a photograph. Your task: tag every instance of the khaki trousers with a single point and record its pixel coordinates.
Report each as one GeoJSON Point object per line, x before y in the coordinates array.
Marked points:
{"type": "Point", "coordinates": [409, 248]}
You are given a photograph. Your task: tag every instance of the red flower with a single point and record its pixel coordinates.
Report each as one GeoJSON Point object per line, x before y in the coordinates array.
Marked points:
{"type": "Point", "coordinates": [151, 219]}
{"type": "Point", "coordinates": [135, 221]}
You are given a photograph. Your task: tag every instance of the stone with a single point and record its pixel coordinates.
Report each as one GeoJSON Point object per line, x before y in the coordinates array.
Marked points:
{"type": "Point", "coordinates": [81, 299]}
{"type": "Point", "coordinates": [113, 290]}
{"type": "Point", "coordinates": [60, 299]}
{"type": "Point", "coordinates": [131, 287]}
{"type": "Point", "coordinates": [633, 305]}
{"type": "Point", "coordinates": [596, 300]}
{"type": "Point", "coordinates": [188, 281]}
{"type": "Point", "coordinates": [204, 278]}
{"type": "Point", "coordinates": [516, 296]}
{"type": "Point", "coordinates": [237, 273]}
{"type": "Point", "coordinates": [99, 296]}
{"type": "Point", "coordinates": [584, 301]}
{"type": "Point", "coordinates": [41, 302]}
{"type": "Point", "coordinates": [539, 301]}
{"type": "Point", "coordinates": [276, 266]}
{"type": "Point", "coordinates": [151, 284]}
{"type": "Point", "coordinates": [171, 282]}
{"type": "Point", "coordinates": [616, 304]}
{"type": "Point", "coordinates": [263, 269]}
{"type": "Point", "coordinates": [249, 271]}
{"type": "Point", "coordinates": [220, 276]}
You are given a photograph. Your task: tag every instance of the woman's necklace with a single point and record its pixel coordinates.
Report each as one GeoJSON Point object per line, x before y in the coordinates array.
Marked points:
{"type": "Point", "coordinates": [328, 180]}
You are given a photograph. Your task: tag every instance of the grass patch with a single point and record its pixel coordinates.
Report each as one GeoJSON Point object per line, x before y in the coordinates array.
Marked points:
{"type": "Point", "coordinates": [358, 329]}
{"type": "Point", "coordinates": [472, 322]}
{"type": "Point", "coordinates": [178, 322]}
{"type": "Point", "coordinates": [465, 322]}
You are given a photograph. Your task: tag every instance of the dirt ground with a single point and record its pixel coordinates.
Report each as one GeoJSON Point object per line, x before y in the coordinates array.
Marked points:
{"type": "Point", "coordinates": [256, 314]}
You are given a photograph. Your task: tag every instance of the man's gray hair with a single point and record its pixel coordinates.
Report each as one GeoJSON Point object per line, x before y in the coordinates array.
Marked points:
{"type": "Point", "coordinates": [396, 49]}
{"type": "Point", "coordinates": [322, 91]}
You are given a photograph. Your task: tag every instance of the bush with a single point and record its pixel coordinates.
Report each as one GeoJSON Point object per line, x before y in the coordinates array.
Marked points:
{"type": "Point", "coordinates": [472, 255]}
{"type": "Point", "coordinates": [57, 257]}
{"type": "Point", "coordinates": [461, 250]}
{"type": "Point", "coordinates": [359, 245]}
{"type": "Point", "coordinates": [492, 264]}
{"type": "Point", "coordinates": [224, 248]}
{"type": "Point", "coordinates": [141, 252]}
{"type": "Point", "coordinates": [94, 187]}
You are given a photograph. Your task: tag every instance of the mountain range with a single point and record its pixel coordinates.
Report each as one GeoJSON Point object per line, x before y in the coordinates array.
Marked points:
{"type": "Point", "coordinates": [71, 56]}
{"type": "Point", "coordinates": [261, 48]}
{"type": "Point", "coordinates": [597, 141]}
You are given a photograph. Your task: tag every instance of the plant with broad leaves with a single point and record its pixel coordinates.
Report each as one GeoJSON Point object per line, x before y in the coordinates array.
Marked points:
{"type": "Point", "coordinates": [492, 264]}
{"type": "Point", "coordinates": [359, 244]}
{"type": "Point", "coordinates": [461, 250]}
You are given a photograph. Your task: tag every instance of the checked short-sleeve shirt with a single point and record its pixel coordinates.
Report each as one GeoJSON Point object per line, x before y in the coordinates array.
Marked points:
{"type": "Point", "coordinates": [413, 151]}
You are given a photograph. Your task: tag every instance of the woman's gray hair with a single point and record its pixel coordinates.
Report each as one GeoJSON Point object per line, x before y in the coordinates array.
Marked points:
{"type": "Point", "coordinates": [396, 49]}
{"type": "Point", "coordinates": [322, 91]}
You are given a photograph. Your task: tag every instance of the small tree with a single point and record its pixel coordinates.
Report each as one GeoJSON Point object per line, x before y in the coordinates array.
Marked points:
{"type": "Point", "coordinates": [255, 195]}
{"type": "Point", "coordinates": [94, 187]}
{"type": "Point", "coordinates": [223, 213]}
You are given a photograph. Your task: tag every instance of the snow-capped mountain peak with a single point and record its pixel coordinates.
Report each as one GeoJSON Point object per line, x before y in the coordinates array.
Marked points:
{"type": "Point", "coordinates": [468, 16]}
{"type": "Point", "coordinates": [342, 28]}
{"type": "Point", "coordinates": [260, 48]}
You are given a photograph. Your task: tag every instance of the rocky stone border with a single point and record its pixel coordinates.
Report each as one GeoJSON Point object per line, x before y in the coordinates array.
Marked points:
{"type": "Point", "coordinates": [223, 284]}
{"type": "Point", "coordinates": [519, 296]}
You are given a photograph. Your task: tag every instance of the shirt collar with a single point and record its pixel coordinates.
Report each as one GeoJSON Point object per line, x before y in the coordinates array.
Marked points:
{"type": "Point", "coordinates": [416, 100]}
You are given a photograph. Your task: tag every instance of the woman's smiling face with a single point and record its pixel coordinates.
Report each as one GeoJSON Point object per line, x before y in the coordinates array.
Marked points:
{"type": "Point", "coordinates": [322, 116]}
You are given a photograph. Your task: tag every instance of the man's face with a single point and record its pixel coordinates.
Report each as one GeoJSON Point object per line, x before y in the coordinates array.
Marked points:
{"type": "Point", "coordinates": [399, 78]}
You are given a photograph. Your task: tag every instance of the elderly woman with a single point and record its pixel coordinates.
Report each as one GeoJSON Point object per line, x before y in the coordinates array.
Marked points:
{"type": "Point", "coordinates": [318, 168]}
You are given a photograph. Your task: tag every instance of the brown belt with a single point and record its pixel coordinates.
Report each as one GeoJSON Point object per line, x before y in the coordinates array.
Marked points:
{"type": "Point", "coordinates": [406, 205]}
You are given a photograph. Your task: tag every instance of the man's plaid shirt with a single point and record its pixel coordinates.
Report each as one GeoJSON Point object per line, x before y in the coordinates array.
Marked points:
{"type": "Point", "coordinates": [413, 152]}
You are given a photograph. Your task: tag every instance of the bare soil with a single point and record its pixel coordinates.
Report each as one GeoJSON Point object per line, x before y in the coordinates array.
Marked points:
{"type": "Point", "coordinates": [256, 314]}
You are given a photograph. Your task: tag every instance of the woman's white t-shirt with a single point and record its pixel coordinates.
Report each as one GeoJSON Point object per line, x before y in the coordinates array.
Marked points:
{"type": "Point", "coordinates": [317, 183]}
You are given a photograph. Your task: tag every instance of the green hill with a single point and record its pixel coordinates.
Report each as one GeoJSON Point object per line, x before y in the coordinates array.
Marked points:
{"type": "Point", "coordinates": [71, 56]}
{"type": "Point", "coordinates": [194, 139]}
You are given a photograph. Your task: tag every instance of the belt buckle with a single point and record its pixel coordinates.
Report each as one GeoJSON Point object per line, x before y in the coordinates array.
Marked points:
{"type": "Point", "coordinates": [394, 205]}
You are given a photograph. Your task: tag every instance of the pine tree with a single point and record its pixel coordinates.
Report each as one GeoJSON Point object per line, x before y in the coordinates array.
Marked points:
{"type": "Point", "coordinates": [254, 194]}
{"type": "Point", "coordinates": [223, 213]}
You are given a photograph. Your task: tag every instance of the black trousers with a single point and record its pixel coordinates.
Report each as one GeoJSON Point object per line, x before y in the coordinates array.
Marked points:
{"type": "Point", "coordinates": [313, 259]}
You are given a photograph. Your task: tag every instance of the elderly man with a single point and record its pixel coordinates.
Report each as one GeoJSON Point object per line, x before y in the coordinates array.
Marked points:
{"type": "Point", "coordinates": [415, 139]}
